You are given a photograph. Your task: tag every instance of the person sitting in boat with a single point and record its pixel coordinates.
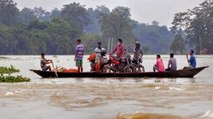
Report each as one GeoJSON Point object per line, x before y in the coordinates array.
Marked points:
{"type": "Point", "coordinates": [119, 49]}
{"type": "Point", "coordinates": [172, 64]}
{"type": "Point", "coordinates": [159, 66]}
{"type": "Point", "coordinates": [192, 60]}
{"type": "Point", "coordinates": [44, 63]}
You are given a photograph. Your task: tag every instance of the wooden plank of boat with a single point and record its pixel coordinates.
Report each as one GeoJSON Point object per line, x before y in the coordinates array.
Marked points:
{"type": "Point", "coordinates": [168, 74]}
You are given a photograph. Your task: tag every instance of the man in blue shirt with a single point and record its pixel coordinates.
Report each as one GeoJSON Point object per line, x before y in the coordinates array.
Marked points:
{"type": "Point", "coordinates": [192, 60]}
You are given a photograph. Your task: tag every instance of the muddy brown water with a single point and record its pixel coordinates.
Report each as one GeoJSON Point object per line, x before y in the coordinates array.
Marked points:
{"type": "Point", "coordinates": [106, 98]}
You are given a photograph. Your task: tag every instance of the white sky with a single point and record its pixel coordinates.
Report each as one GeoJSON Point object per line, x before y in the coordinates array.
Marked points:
{"type": "Point", "coordinates": [144, 11]}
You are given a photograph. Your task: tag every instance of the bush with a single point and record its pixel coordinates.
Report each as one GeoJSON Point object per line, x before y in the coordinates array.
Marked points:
{"type": "Point", "coordinates": [8, 70]}
{"type": "Point", "coordinates": [11, 79]}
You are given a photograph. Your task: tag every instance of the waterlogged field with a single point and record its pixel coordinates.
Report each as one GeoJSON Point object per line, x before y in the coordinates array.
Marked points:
{"type": "Point", "coordinates": [106, 98]}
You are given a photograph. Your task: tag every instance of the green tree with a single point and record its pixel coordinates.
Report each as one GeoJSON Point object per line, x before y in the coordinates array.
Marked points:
{"type": "Point", "coordinates": [55, 13]}
{"type": "Point", "coordinates": [178, 45]}
{"type": "Point", "coordinates": [37, 41]}
{"type": "Point", "coordinates": [62, 35]}
{"type": "Point", "coordinates": [21, 35]}
{"type": "Point", "coordinates": [118, 24]}
{"type": "Point", "coordinates": [27, 16]}
{"type": "Point", "coordinates": [76, 15]}
{"type": "Point", "coordinates": [199, 26]}
{"type": "Point", "coordinates": [7, 44]}
{"type": "Point", "coordinates": [180, 22]}
{"type": "Point", "coordinates": [90, 41]}
{"type": "Point", "coordinates": [157, 38]}
{"type": "Point", "coordinates": [8, 12]}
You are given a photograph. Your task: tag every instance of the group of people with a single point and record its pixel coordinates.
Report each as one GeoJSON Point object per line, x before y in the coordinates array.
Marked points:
{"type": "Point", "coordinates": [172, 63]}
{"type": "Point", "coordinates": [159, 65]}
{"type": "Point", "coordinates": [120, 52]}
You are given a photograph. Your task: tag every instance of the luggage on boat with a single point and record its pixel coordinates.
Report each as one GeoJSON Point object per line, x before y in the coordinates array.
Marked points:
{"type": "Point", "coordinates": [98, 66]}
{"type": "Point", "coordinates": [70, 70]}
{"type": "Point", "coordinates": [92, 57]}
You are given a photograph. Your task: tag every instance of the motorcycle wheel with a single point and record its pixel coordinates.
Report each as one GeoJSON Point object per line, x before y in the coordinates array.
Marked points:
{"type": "Point", "coordinates": [140, 68]}
{"type": "Point", "coordinates": [106, 69]}
{"type": "Point", "coordinates": [129, 69]}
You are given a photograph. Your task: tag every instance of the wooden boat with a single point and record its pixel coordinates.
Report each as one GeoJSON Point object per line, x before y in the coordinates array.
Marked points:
{"type": "Point", "coordinates": [189, 72]}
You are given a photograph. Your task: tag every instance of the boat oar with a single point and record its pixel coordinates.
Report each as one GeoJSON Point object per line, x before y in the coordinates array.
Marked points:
{"type": "Point", "coordinates": [188, 62]}
{"type": "Point", "coordinates": [187, 59]}
{"type": "Point", "coordinates": [55, 70]}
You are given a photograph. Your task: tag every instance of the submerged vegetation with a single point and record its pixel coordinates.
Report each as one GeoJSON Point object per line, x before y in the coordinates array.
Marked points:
{"type": "Point", "coordinates": [8, 70]}
{"type": "Point", "coordinates": [6, 77]}
{"type": "Point", "coordinates": [12, 79]}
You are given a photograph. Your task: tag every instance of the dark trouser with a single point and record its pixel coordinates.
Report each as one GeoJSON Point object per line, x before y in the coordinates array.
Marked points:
{"type": "Point", "coordinates": [168, 69]}
{"type": "Point", "coordinates": [155, 68]}
{"type": "Point", "coordinates": [44, 68]}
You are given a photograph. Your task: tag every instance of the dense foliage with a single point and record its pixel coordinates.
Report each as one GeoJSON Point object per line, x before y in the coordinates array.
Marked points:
{"type": "Point", "coordinates": [197, 25]}
{"type": "Point", "coordinates": [11, 79]}
{"type": "Point", "coordinates": [8, 70]}
{"type": "Point", "coordinates": [32, 31]}
{"type": "Point", "coordinates": [154, 38]}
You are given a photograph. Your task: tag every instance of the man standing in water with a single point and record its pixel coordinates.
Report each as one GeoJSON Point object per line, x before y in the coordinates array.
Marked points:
{"type": "Point", "coordinates": [79, 53]}
{"type": "Point", "coordinates": [192, 60]}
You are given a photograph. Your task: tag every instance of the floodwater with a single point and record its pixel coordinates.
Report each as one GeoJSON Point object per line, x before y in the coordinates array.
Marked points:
{"type": "Point", "coordinates": [106, 98]}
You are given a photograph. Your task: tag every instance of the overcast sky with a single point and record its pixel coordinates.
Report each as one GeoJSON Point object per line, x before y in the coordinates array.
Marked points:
{"type": "Point", "coordinates": [144, 11]}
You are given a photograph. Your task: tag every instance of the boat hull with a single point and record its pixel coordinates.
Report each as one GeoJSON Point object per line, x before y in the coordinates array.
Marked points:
{"type": "Point", "coordinates": [168, 74]}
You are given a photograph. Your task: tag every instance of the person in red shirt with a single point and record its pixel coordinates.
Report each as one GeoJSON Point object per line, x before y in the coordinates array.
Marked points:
{"type": "Point", "coordinates": [119, 49]}
{"type": "Point", "coordinates": [159, 66]}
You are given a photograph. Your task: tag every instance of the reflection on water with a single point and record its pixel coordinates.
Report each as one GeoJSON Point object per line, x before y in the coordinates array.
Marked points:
{"type": "Point", "coordinates": [106, 98]}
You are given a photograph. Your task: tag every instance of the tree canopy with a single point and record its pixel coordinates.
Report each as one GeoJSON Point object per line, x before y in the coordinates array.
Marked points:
{"type": "Point", "coordinates": [197, 24]}
{"type": "Point", "coordinates": [31, 31]}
